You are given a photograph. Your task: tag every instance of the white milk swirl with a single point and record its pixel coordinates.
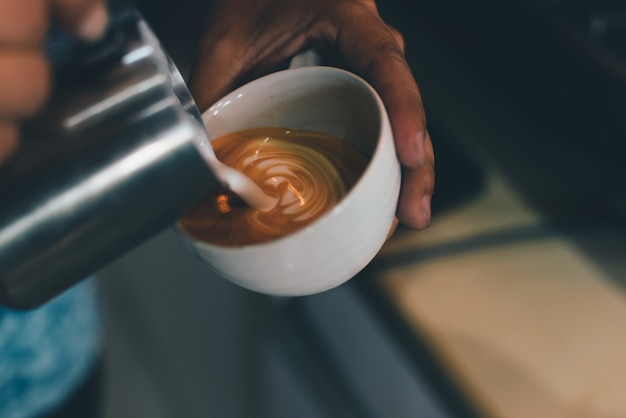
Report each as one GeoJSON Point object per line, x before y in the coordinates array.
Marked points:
{"type": "Point", "coordinates": [308, 172]}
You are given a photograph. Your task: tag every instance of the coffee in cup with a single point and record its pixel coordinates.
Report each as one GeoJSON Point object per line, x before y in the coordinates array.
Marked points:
{"type": "Point", "coordinates": [307, 172]}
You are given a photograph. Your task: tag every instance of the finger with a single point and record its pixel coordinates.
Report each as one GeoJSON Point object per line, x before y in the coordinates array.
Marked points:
{"type": "Point", "coordinates": [278, 59]}
{"type": "Point", "coordinates": [223, 55]}
{"type": "Point", "coordinates": [230, 57]}
{"type": "Point", "coordinates": [85, 18]}
{"type": "Point", "coordinates": [25, 82]}
{"type": "Point", "coordinates": [414, 209]}
{"type": "Point", "coordinates": [8, 140]}
{"type": "Point", "coordinates": [225, 66]}
{"type": "Point", "coordinates": [372, 49]}
{"type": "Point", "coordinates": [23, 24]}
{"type": "Point", "coordinates": [217, 69]}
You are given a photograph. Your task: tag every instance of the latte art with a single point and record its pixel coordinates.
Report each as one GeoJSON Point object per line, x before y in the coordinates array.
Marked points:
{"type": "Point", "coordinates": [308, 172]}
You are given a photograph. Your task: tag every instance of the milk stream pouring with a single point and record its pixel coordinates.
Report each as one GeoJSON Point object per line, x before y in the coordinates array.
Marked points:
{"type": "Point", "coordinates": [111, 162]}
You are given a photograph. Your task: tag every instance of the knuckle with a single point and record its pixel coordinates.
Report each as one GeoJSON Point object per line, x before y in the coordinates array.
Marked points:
{"type": "Point", "coordinates": [397, 36]}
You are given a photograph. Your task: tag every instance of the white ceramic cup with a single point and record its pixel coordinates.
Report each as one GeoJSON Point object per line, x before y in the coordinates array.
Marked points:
{"type": "Point", "coordinates": [343, 241]}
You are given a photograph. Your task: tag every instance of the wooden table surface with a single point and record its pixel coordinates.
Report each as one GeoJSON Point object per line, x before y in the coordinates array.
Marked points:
{"type": "Point", "coordinates": [522, 317]}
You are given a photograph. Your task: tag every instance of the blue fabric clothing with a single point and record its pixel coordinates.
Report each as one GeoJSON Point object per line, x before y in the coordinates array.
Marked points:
{"type": "Point", "coordinates": [46, 353]}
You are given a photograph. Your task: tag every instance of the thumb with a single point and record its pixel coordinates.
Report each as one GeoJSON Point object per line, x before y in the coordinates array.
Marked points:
{"type": "Point", "coordinates": [87, 19]}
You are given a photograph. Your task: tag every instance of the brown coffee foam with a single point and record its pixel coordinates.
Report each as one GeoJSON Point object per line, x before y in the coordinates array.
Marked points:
{"type": "Point", "coordinates": [309, 172]}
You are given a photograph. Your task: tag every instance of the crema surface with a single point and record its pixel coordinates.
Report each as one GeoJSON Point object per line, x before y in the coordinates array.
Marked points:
{"type": "Point", "coordinates": [308, 172]}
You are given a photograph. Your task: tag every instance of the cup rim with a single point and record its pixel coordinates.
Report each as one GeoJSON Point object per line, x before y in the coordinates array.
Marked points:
{"type": "Point", "coordinates": [339, 206]}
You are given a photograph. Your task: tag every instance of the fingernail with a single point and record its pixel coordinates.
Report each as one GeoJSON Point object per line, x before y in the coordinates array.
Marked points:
{"type": "Point", "coordinates": [425, 208]}
{"type": "Point", "coordinates": [94, 23]}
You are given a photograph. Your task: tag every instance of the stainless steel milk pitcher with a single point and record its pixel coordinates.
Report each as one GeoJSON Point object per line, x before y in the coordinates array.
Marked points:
{"type": "Point", "coordinates": [111, 162]}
